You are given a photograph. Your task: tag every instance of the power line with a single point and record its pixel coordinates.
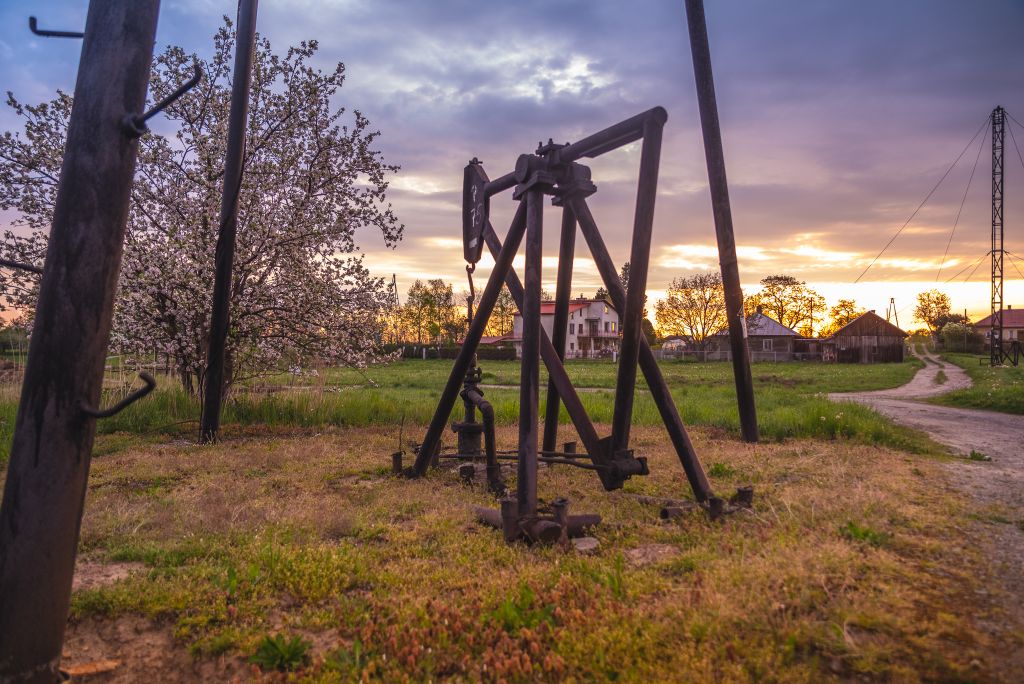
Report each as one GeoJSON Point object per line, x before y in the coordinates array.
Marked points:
{"type": "Point", "coordinates": [927, 197]}
{"type": "Point", "coordinates": [973, 263]}
{"type": "Point", "coordinates": [1013, 262]}
{"type": "Point", "coordinates": [981, 146]}
{"type": "Point", "coordinates": [1014, 139]}
{"type": "Point", "coordinates": [971, 274]}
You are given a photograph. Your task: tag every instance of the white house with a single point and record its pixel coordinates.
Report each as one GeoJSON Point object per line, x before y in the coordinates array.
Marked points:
{"type": "Point", "coordinates": [593, 328]}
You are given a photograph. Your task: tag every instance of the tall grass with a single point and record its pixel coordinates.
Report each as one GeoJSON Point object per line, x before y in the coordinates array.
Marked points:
{"type": "Point", "coordinates": [994, 389]}
{"type": "Point", "coordinates": [790, 401]}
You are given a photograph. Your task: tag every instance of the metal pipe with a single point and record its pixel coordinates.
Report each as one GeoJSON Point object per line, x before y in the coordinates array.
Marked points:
{"type": "Point", "coordinates": [563, 290]}
{"type": "Point", "coordinates": [502, 264]}
{"type": "Point", "coordinates": [719, 186]}
{"type": "Point", "coordinates": [648, 364]}
{"type": "Point", "coordinates": [529, 373]}
{"type": "Point", "coordinates": [490, 449]}
{"type": "Point", "coordinates": [573, 405]}
{"type": "Point", "coordinates": [620, 134]}
{"type": "Point", "coordinates": [500, 184]}
{"type": "Point", "coordinates": [224, 257]}
{"type": "Point", "coordinates": [640, 253]}
{"type": "Point", "coordinates": [44, 493]}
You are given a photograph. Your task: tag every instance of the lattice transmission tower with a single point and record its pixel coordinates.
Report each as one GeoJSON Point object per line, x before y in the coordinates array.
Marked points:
{"type": "Point", "coordinates": [996, 351]}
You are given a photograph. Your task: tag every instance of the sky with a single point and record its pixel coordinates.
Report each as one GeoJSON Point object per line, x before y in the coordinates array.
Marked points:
{"type": "Point", "coordinates": [838, 118]}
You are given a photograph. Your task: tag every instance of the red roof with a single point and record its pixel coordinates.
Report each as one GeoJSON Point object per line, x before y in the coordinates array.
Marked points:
{"type": "Point", "coordinates": [1012, 318]}
{"type": "Point", "coordinates": [549, 307]}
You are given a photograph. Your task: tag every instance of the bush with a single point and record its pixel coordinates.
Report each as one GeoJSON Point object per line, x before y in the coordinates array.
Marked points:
{"type": "Point", "coordinates": [960, 337]}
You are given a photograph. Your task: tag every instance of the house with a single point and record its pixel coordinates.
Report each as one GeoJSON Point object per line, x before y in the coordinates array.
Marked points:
{"type": "Point", "coordinates": [676, 342]}
{"type": "Point", "coordinates": [869, 338]}
{"type": "Point", "coordinates": [1013, 326]}
{"type": "Point", "coordinates": [767, 339]}
{"type": "Point", "coordinates": [593, 328]}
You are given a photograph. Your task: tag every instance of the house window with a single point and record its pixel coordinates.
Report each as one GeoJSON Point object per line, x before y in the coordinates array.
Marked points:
{"type": "Point", "coordinates": [606, 324]}
{"type": "Point", "coordinates": [766, 345]}
{"type": "Point", "coordinates": [606, 309]}
{"type": "Point", "coordinates": [572, 346]}
{"type": "Point", "coordinates": [613, 326]}
{"type": "Point", "coordinates": [572, 328]}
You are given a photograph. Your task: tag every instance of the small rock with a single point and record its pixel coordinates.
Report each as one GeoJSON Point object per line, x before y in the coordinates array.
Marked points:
{"type": "Point", "coordinates": [586, 544]}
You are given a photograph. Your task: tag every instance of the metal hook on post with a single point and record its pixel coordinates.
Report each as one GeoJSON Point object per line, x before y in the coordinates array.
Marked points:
{"type": "Point", "coordinates": [470, 268]}
{"type": "Point", "coordinates": [124, 403]}
{"type": "Point", "coordinates": [33, 26]}
{"type": "Point", "coordinates": [134, 125]}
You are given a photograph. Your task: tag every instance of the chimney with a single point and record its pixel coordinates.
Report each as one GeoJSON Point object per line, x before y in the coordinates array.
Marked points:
{"type": "Point", "coordinates": [1009, 307]}
{"type": "Point", "coordinates": [759, 308]}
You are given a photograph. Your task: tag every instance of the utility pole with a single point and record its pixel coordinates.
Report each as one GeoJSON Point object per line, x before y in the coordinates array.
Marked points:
{"type": "Point", "coordinates": [712, 132]}
{"type": "Point", "coordinates": [44, 494]}
{"type": "Point", "coordinates": [996, 339]}
{"type": "Point", "coordinates": [220, 315]}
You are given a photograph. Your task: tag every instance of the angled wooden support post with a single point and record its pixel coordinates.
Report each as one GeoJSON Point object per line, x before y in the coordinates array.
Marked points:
{"type": "Point", "coordinates": [648, 364]}
{"type": "Point", "coordinates": [712, 131]}
{"type": "Point", "coordinates": [53, 436]}
{"type": "Point", "coordinates": [503, 262]}
{"type": "Point", "coordinates": [563, 292]}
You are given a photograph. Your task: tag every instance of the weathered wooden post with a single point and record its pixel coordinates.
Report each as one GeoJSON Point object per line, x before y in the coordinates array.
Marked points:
{"type": "Point", "coordinates": [220, 315]}
{"type": "Point", "coordinates": [53, 436]}
{"type": "Point", "coordinates": [708, 106]}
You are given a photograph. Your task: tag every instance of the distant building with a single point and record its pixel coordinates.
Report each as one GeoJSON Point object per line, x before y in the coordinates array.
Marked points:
{"type": "Point", "coordinates": [676, 342]}
{"type": "Point", "coordinates": [768, 340]}
{"type": "Point", "coordinates": [593, 328]}
{"type": "Point", "coordinates": [1013, 325]}
{"type": "Point", "coordinates": [869, 338]}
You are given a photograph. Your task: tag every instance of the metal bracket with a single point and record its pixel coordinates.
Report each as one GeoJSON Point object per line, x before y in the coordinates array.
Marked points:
{"type": "Point", "coordinates": [124, 403]}
{"type": "Point", "coordinates": [33, 26]}
{"type": "Point", "coordinates": [134, 125]}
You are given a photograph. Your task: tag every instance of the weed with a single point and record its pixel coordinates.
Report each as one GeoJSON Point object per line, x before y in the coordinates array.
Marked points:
{"type": "Point", "coordinates": [978, 456]}
{"type": "Point", "coordinates": [281, 653]}
{"type": "Point", "coordinates": [721, 470]}
{"type": "Point", "coordinates": [940, 378]}
{"type": "Point", "coordinates": [863, 533]}
{"type": "Point", "coordinates": [519, 611]}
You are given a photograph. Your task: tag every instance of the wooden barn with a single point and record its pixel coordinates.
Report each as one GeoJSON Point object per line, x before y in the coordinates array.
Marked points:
{"type": "Point", "coordinates": [869, 338]}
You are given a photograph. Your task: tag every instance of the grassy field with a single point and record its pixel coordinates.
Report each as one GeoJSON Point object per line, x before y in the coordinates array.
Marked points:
{"type": "Point", "coordinates": [301, 553]}
{"type": "Point", "coordinates": [790, 400]}
{"type": "Point", "coordinates": [994, 389]}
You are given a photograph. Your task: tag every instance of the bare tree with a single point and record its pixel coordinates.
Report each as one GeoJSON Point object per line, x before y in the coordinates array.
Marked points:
{"type": "Point", "coordinates": [694, 306]}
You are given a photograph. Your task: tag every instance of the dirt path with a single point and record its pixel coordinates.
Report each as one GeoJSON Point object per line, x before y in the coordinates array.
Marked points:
{"type": "Point", "coordinates": [997, 486]}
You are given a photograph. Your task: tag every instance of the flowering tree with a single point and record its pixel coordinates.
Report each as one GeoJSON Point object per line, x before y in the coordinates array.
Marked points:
{"type": "Point", "coordinates": [299, 289]}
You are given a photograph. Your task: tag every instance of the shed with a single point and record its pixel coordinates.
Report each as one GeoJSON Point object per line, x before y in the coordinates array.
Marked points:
{"type": "Point", "coordinates": [869, 338]}
{"type": "Point", "coordinates": [767, 339]}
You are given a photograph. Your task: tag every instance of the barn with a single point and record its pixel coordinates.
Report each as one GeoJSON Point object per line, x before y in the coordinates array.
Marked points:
{"type": "Point", "coordinates": [869, 338]}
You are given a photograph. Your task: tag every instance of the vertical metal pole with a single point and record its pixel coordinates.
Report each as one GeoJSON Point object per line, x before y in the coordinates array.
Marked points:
{"type": "Point", "coordinates": [245, 42]}
{"type": "Point", "coordinates": [529, 376]}
{"type": "Point", "coordinates": [46, 480]}
{"type": "Point", "coordinates": [708, 106]}
{"type": "Point", "coordinates": [502, 264]}
{"type": "Point", "coordinates": [996, 336]}
{"type": "Point", "coordinates": [640, 254]}
{"type": "Point", "coordinates": [563, 290]}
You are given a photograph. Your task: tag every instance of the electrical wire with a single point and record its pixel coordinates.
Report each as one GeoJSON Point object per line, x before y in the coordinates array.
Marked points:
{"type": "Point", "coordinates": [968, 266]}
{"type": "Point", "coordinates": [971, 274]}
{"type": "Point", "coordinates": [1013, 262]}
{"type": "Point", "coordinates": [1014, 139]}
{"type": "Point", "coordinates": [981, 146]}
{"type": "Point", "coordinates": [927, 197]}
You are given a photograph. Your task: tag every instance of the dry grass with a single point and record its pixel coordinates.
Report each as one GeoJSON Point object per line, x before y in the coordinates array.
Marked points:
{"type": "Point", "coordinates": [855, 562]}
